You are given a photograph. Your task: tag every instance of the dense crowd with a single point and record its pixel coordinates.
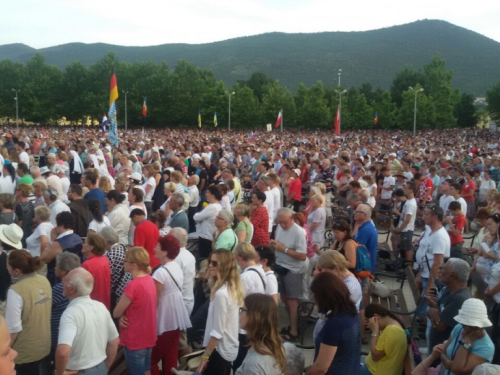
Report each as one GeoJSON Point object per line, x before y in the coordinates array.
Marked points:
{"type": "Point", "coordinates": [177, 240]}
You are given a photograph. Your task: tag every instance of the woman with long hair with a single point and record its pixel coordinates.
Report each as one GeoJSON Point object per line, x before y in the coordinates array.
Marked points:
{"type": "Point", "coordinates": [136, 311]}
{"type": "Point", "coordinates": [266, 355]}
{"type": "Point", "coordinates": [28, 311]}
{"type": "Point", "coordinates": [221, 332]}
{"type": "Point", "coordinates": [244, 228]}
{"type": "Point", "coordinates": [100, 221]}
{"type": "Point", "coordinates": [389, 342]}
{"type": "Point", "coordinates": [171, 313]}
{"type": "Point", "coordinates": [338, 344]}
{"type": "Point", "coordinates": [344, 243]}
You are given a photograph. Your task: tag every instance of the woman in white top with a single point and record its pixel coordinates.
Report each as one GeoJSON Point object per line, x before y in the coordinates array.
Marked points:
{"type": "Point", "coordinates": [266, 258]}
{"type": "Point", "coordinates": [149, 186]}
{"type": "Point", "coordinates": [61, 173]}
{"type": "Point", "coordinates": [8, 180]}
{"type": "Point", "coordinates": [205, 221]}
{"type": "Point", "coordinates": [486, 185]}
{"type": "Point", "coordinates": [221, 332]}
{"type": "Point", "coordinates": [99, 221]}
{"type": "Point", "coordinates": [372, 188]}
{"type": "Point", "coordinates": [171, 314]}
{"type": "Point", "coordinates": [118, 214]}
{"type": "Point", "coordinates": [39, 239]}
{"type": "Point", "coordinates": [316, 220]}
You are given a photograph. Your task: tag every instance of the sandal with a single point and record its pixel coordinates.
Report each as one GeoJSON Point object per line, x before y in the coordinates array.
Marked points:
{"type": "Point", "coordinates": [291, 338]}
{"type": "Point", "coordinates": [285, 330]}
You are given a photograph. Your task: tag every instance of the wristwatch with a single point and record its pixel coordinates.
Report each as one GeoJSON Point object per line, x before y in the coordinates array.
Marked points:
{"type": "Point", "coordinates": [286, 250]}
{"type": "Point", "coordinates": [466, 345]}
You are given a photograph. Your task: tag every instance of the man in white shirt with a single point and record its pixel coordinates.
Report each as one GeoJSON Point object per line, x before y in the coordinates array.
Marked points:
{"type": "Point", "coordinates": [387, 189]}
{"type": "Point", "coordinates": [23, 155]}
{"type": "Point", "coordinates": [88, 339]}
{"type": "Point", "coordinates": [277, 197]}
{"type": "Point", "coordinates": [187, 262]}
{"type": "Point", "coordinates": [406, 224]}
{"type": "Point", "coordinates": [194, 200]}
{"type": "Point", "coordinates": [55, 205]}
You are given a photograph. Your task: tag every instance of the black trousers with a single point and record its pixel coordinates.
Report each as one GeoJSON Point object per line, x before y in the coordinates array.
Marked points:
{"type": "Point", "coordinates": [204, 248]}
{"type": "Point", "coordinates": [32, 368]}
{"type": "Point", "coordinates": [242, 352]}
{"type": "Point", "coordinates": [217, 365]}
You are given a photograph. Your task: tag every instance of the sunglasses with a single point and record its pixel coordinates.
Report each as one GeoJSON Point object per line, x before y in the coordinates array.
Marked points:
{"type": "Point", "coordinates": [213, 263]}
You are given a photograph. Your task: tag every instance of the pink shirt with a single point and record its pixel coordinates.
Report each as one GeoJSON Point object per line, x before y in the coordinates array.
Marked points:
{"type": "Point", "coordinates": [98, 266]}
{"type": "Point", "coordinates": [141, 314]}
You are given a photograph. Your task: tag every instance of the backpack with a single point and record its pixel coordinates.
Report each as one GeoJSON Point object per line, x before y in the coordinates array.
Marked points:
{"type": "Point", "coordinates": [363, 261]}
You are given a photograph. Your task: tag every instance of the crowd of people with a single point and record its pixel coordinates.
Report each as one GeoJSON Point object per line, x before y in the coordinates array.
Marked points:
{"type": "Point", "coordinates": [144, 245]}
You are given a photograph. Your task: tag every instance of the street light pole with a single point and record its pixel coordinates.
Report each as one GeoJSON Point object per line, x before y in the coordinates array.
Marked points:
{"type": "Point", "coordinates": [340, 103]}
{"type": "Point", "coordinates": [229, 120]}
{"type": "Point", "coordinates": [340, 73]}
{"type": "Point", "coordinates": [415, 110]}
{"type": "Point", "coordinates": [125, 92]}
{"type": "Point", "coordinates": [17, 106]}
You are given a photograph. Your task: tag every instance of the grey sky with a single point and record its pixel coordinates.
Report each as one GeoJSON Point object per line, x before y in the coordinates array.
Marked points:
{"type": "Point", "coordinates": [45, 23]}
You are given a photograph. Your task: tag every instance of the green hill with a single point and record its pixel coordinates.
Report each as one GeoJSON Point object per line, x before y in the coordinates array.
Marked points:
{"type": "Point", "coordinates": [369, 56]}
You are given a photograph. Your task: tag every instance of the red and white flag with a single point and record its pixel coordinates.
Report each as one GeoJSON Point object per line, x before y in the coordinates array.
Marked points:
{"type": "Point", "coordinates": [278, 121]}
{"type": "Point", "coordinates": [337, 123]}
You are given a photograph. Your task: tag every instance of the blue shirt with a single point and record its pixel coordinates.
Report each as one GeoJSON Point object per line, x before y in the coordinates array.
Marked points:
{"type": "Point", "coordinates": [98, 194]}
{"type": "Point", "coordinates": [367, 235]}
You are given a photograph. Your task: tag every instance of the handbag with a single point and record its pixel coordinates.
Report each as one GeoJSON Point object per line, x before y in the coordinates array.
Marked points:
{"type": "Point", "coordinates": [379, 289]}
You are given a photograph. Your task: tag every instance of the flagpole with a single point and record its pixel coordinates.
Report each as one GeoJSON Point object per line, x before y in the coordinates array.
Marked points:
{"type": "Point", "coordinates": [282, 120]}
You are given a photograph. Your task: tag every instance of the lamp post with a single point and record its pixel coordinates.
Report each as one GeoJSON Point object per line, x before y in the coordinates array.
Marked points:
{"type": "Point", "coordinates": [229, 120]}
{"type": "Point", "coordinates": [17, 106]}
{"type": "Point", "coordinates": [125, 92]}
{"type": "Point", "coordinates": [340, 102]}
{"type": "Point", "coordinates": [415, 110]}
{"type": "Point", "coordinates": [340, 73]}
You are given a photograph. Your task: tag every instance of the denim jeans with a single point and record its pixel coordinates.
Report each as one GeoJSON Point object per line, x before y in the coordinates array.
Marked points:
{"type": "Point", "coordinates": [100, 369]}
{"type": "Point", "coordinates": [422, 309]}
{"type": "Point", "coordinates": [138, 361]}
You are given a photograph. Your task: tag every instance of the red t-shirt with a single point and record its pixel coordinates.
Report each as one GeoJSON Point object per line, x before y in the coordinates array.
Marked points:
{"type": "Point", "coordinates": [141, 314]}
{"type": "Point", "coordinates": [424, 185]}
{"type": "Point", "coordinates": [295, 186]}
{"type": "Point", "coordinates": [260, 222]}
{"type": "Point", "coordinates": [304, 174]}
{"type": "Point", "coordinates": [459, 223]}
{"type": "Point", "coordinates": [466, 188]}
{"type": "Point", "coordinates": [146, 235]}
{"type": "Point", "coordinates": [98, 266]}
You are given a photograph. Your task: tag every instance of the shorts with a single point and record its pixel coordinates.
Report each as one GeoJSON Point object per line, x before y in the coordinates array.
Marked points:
{"type": "Point", "coordinates": [183, 342]}
{"type": "Point", "coordinates": [406, 240]}
{"type": "Point", "coordinates": [290, 285]}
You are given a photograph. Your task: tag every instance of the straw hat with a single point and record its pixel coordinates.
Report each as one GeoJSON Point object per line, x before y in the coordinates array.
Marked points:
{"type": "Point", "coordinates": [11, 235]}
{"type": "Point", "coordinates": [473, 313]}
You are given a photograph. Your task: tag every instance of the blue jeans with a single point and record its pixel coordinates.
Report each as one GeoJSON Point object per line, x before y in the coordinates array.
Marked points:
{"type": "Point", "coordinates": [100, 369]}
{"type": "Point", "coordinates": [422, 309]}
{"type": "Point", "coordinates": [364, 371]}
{"type": "Point", "coordinates": [138, 361]}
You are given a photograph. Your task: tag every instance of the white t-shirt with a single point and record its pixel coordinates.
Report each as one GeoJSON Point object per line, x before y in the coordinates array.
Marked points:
{"type": "Point", "coordinates": [388, 182]}
{"type": "Point", "coordinates": [149, 195]}
{"type": "Point", "coordinates": [317, 216]}
{"type": "Point", "coordinates": [269, 205]}
{"type": "Point", "coordinates": [33, 242]}
{"type": "Point", "coordinates": [431, 244]}
{"type": "Point", "coordinates": [24, 158]}
{"type": "Point", "coordinates": [410, 208]}
{"type": "Point", "coordinates": [445, 201]}
{"type": "Point", "coordinates": [275, 191]}
{"type": "Point", "coordinates": [483, 189]}
{"type": "Point", "coordinates": [96, 227]}
{"type": "Point", "coordinates": [271, 283]}
{"type": "Point", "coordinates": [495, 279]}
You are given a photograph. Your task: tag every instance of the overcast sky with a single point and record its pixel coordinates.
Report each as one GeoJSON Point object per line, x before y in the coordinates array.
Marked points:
{"type": "Point", "coordinates": [45, 23]}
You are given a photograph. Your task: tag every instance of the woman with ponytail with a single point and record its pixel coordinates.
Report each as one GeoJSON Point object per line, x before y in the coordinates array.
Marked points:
{"type": "Point", "coordinates": [389, 342]}
{"type": "Point", "coordinates": [136, 311]}
{"type": "Point", "coordinates": [29, 303]}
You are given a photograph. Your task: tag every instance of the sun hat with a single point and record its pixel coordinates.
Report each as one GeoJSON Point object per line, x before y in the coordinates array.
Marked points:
{"type": "Point", "coordinates": [473, 314]}
{"type": "Point", "coordinates": [297, 171]}
{"type": "Point", "coordinates": [135, 176]}
{"type": "Point", "coordinates": [44, 170]}
{"type": "Point", "coordinates": [11, 235]}
{"type": "Point", "coordinates": [486, 369]}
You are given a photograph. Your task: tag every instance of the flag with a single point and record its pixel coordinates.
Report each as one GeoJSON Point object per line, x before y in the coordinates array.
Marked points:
{"type": "Point", "coordinates": [280, 118]}
{"type": "Point", "coordinates": [252, 137]}
{"type": "Point", "coordinates": [144, 108]}
{"type": "Point", "coordinates": [113, 95]}
{"type": "Point", "coordinates": [337, 123]}
{"type": "Point", "coordinates": [104, 123]}
{"type": "Point", "coordinates": [199, 119]}
{"type": "Point", "coordinates": [215, 119]}
{"type": "Point", "coordinates": [375, 120]}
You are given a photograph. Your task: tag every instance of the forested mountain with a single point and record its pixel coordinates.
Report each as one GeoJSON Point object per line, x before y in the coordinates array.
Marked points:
{"type": "Point", "coordinates": [371, 56]}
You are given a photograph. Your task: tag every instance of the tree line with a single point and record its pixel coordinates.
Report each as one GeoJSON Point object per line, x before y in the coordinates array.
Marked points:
{"type": "Point", "coordinates": [174, 97]}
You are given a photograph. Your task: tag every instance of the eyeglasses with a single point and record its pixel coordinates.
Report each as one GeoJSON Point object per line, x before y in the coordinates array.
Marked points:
{"type": "Point", "coordinates": [213, 263]}
{"type": "Point", "coordinates": [127, 261]}
{"type": "Point", "coordinates": [242, 309]}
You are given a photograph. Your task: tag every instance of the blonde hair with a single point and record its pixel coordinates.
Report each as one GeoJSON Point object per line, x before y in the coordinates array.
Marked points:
{"type": "Point", "coordinates": [105, 184]}
{"type": "Point", "coordinates": [140, 257]}
{"type": "Point", "coordinates": [321, 186]}
{"type": "Point", "coordinates": [243, 209]}
{"type": "Point", "coordinates": [176, 176]}
{"type": "Point", "coordinates": [171, 186]}
{"type": "Point", "coordinates": [245, 251]}
{"type": "Point", "coordinates": [227, 274]}
{"type": "Point", "coordinates": [150, 169]}
{"type": "Point", "coordinates": [25, 189]}
{"type": "Point", "coordinates": [317, 197]}
{"type": "Point", "coordinates": [42, 213]}
{"type": "Point", "coordinates": [331, 259]}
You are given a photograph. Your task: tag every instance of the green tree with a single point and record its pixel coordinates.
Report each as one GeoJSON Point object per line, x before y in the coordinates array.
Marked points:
{"type": "Point", "coordinates": [426, 112]}
{"type": "Point", "coordinates": [275, 99]}
{"type": "Point", "coordinates": [314, 111]}
{"type": "Point", "coordinates": [493, 100]}
{"type": "Point", "coordinates": [12, 78]}
{"type": "Point", "coordinates": [216, 100]}
{"type": "Point", "coordinates": [76, 91]}
{"type": "Point", "coordinates": [404, 79]}
{"type": "Point", "coordinates": [245, 110]}
{"type": "Point", "coordinates": [386, 111]}
{"type": "Point", "coordinates": [465, 111]}
{"type": "Point", "coordinates": [258, 82]}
